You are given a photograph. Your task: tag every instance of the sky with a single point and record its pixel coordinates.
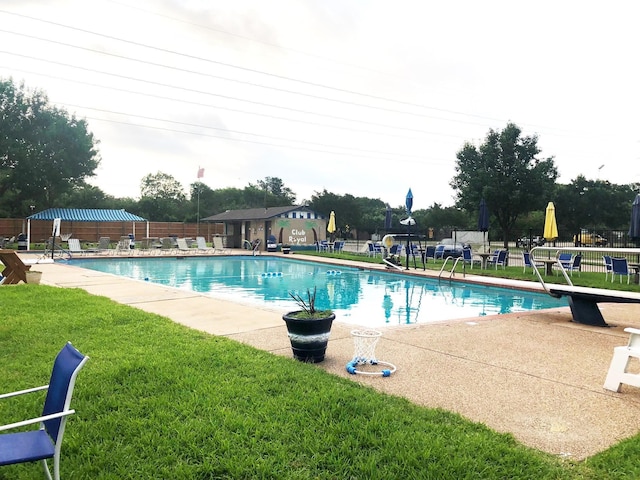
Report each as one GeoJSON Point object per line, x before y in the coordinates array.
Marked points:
{"type": "Point", "coordinates": [361, 97]}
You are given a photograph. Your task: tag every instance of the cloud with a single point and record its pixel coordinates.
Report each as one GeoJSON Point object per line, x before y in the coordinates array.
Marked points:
{"type": "Point", "coordinates": [367, 98]}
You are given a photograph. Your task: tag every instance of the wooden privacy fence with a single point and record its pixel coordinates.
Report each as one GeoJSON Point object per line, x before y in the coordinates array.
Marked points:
{"type": "Point", "coordinates": [92, 231]}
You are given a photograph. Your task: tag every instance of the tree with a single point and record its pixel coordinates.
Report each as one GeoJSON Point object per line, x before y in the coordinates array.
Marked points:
{"type": "Point", "coordinates": [163, 198]}
{"type": "Point", "coordinates": [44, 152]}
{"type": "Point", "coordinates": [507, 174]}
{"type": "Point", "coordinates": [593, 204]}
{"type": "Point", "coordinates": [352, 213]}
{"type": "Point", "coordinates": [274, 192]}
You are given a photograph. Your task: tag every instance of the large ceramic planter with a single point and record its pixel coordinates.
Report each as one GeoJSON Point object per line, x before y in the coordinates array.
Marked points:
{"type": "Point", "coordinates": [309, 337]}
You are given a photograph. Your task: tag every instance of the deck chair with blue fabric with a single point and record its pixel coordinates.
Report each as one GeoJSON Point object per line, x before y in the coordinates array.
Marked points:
{"type": "Point", "coordinates": [574, 265]}
{"type": "Point", "coordinates": [620, 266]}
{"type": "Point", "coordinates": [499, 258]}
{"type": "Point", "coordinates": [467, 257]}
{"type": "Point", "coordinates": [46, 442]}
{"type": "Point", "coordinates": [608, 266]}
{"type": "Point", "coordinates": [528, 263]}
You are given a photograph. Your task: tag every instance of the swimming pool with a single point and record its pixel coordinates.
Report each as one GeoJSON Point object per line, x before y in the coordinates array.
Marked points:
{"type": "Point", "coordinates": [359, 297]}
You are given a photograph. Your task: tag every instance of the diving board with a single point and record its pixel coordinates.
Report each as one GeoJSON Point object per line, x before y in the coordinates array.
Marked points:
{"type": "Point", "coordinates": [583, 301]}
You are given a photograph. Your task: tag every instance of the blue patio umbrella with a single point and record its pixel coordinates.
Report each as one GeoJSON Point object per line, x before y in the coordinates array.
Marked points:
{"type": "Point", "coordinates": [634, 227]}
{"type": "Point", "coordinates": [483, 220]}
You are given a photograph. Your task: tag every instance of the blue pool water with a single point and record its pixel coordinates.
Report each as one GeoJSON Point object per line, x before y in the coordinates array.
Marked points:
{"type": "Point", "coordinates": [359, 297]}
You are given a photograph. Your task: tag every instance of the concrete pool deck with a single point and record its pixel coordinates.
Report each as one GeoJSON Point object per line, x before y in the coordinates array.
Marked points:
{"type": "Point", "coordinates": [536, 375]}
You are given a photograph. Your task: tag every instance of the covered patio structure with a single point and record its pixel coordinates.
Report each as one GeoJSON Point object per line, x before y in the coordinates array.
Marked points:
{"type": "Point", "coordinates": [83, 215]}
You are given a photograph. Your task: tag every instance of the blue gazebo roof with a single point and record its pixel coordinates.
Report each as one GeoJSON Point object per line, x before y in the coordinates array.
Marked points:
{"type": "Point", "coordinates": [86, 215]}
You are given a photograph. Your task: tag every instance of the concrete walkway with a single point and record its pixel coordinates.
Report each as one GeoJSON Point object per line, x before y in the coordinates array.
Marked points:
{"type": "Point", "coordinates": [535, 375]}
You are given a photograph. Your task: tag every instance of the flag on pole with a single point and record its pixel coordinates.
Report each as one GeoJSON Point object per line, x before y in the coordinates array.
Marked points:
{"type": "Point", "coordinates": [200, 172]}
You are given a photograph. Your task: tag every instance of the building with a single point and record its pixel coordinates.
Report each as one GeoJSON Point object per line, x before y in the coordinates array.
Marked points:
{"type": "Point", "coordinates": [292, 225]}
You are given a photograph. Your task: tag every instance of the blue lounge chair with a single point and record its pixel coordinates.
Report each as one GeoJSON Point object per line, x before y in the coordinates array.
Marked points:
{"type": "Point", "coordinates": [574, 266]}
{"type": "Point", "coordinates": [526, 259]}
{"type": "Point", "coordinates": [620, 266]}
{"type": "Point", "coordinates": [499, 258]}
{"type": "Point", "coordinates": [45, 443]}
{"type": "Point", "coordinates": [467, 257]}
{"type": "Point", "coordinates": [608, 266]}
{"type": "Point", "coordinates": [430, 252]}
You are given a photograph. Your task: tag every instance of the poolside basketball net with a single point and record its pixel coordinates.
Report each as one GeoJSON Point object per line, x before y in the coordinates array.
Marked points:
{"type": "Point", "coordinates": [365, 354]}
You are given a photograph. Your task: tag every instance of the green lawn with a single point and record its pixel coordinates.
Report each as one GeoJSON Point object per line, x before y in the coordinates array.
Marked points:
{"type": "Point", "coordinates": [160, 401]}
{"type": "Point", "coordinates": [594, 279]}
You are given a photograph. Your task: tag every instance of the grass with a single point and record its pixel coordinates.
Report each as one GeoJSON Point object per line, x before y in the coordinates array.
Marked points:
{"type": "Point", "coordinates": [159, 400]}
{"type": "Point", "coordinates": [585, 279]}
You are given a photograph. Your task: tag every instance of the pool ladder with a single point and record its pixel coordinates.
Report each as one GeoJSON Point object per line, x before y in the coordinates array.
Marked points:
{"type": "Point", "coordinates": [453, 269]}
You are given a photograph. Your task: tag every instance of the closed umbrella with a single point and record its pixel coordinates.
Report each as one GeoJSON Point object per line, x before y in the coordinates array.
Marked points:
{"type": "Point", "coordinates": [634, 228]}
{"type": "Point", "coordinates": [408, 202]}
{"type": "Point", "coordinates": [387, 218]}
{"type": "Point", "coordinates": [483, 220]}
{"type": "Point", "coordinates": [331, 227]}
{"type": "Point", "coordinates": [550, 225]}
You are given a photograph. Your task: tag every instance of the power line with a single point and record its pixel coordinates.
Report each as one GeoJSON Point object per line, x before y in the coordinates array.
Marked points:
{"type": "Point", "coordinates": [294, 120]}
{"type": "Point", "coordinates": [228, 97]}
{"type": "Point", "coordinates": [232, 131]}
{"type": "Point", "coordinates": [351, 155]}
{"type": "Point", "coordinates": [229, 65]}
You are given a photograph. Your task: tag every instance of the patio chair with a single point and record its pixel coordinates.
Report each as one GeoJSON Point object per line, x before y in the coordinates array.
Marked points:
{"type": "Point", "coordinates": [202, 246]}
{"type": "Point", "coordinates": [438, 253]}
{"type": "Point", "coordinates": [182, 246]}
{"type": "Point", "coordinates": [75, 247]}
{"type": "Point", "coordinates": [104, 244]}
{"type": "Point", "coordinates": [14, 268]}
{"type": "Point", "coordinates": [620, 266]}
{"type": "Point", "coordinates": [608, 266]}
{"type": "Point", "coordinates": [499, 258]}
{"type": "Point", "coordinates": [565, 259]}
{"type": "Point", "coordinates": [429, 252]}
{"type": "Point", "coordinates": [526, 260]}
{"type": "Point", "coordinates": [574, 266]}
{"type": "Point", "coordinates": [167, 245]}
{"type": "Point", "coordinates": [124, 244]}
{"type": "Point", "coordinates": [467, 257]}
{"type": "Point", "coordinates": [218, 244]}
{"type": "Point", "coordinates": [338, 246]}
{"type": "Point", "coordinates": [46, 442]}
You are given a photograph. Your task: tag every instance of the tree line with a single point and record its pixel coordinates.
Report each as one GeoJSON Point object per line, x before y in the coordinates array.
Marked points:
{"type": "Point", "coordinates": [47, 155]}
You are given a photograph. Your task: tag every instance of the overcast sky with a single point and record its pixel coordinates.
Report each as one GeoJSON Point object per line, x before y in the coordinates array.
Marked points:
{"type": "Point", "coordinates": [366, 97]}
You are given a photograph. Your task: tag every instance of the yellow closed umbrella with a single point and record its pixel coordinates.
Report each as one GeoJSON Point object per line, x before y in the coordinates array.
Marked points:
{"type": "Point", "coordinates": [550, 225]}
{"type": "Point", "coordinates": [331, 227]}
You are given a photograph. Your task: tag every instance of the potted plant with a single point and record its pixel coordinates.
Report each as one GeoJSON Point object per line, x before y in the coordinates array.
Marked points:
{"type": "Point", "coordinates": [308, 328]}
